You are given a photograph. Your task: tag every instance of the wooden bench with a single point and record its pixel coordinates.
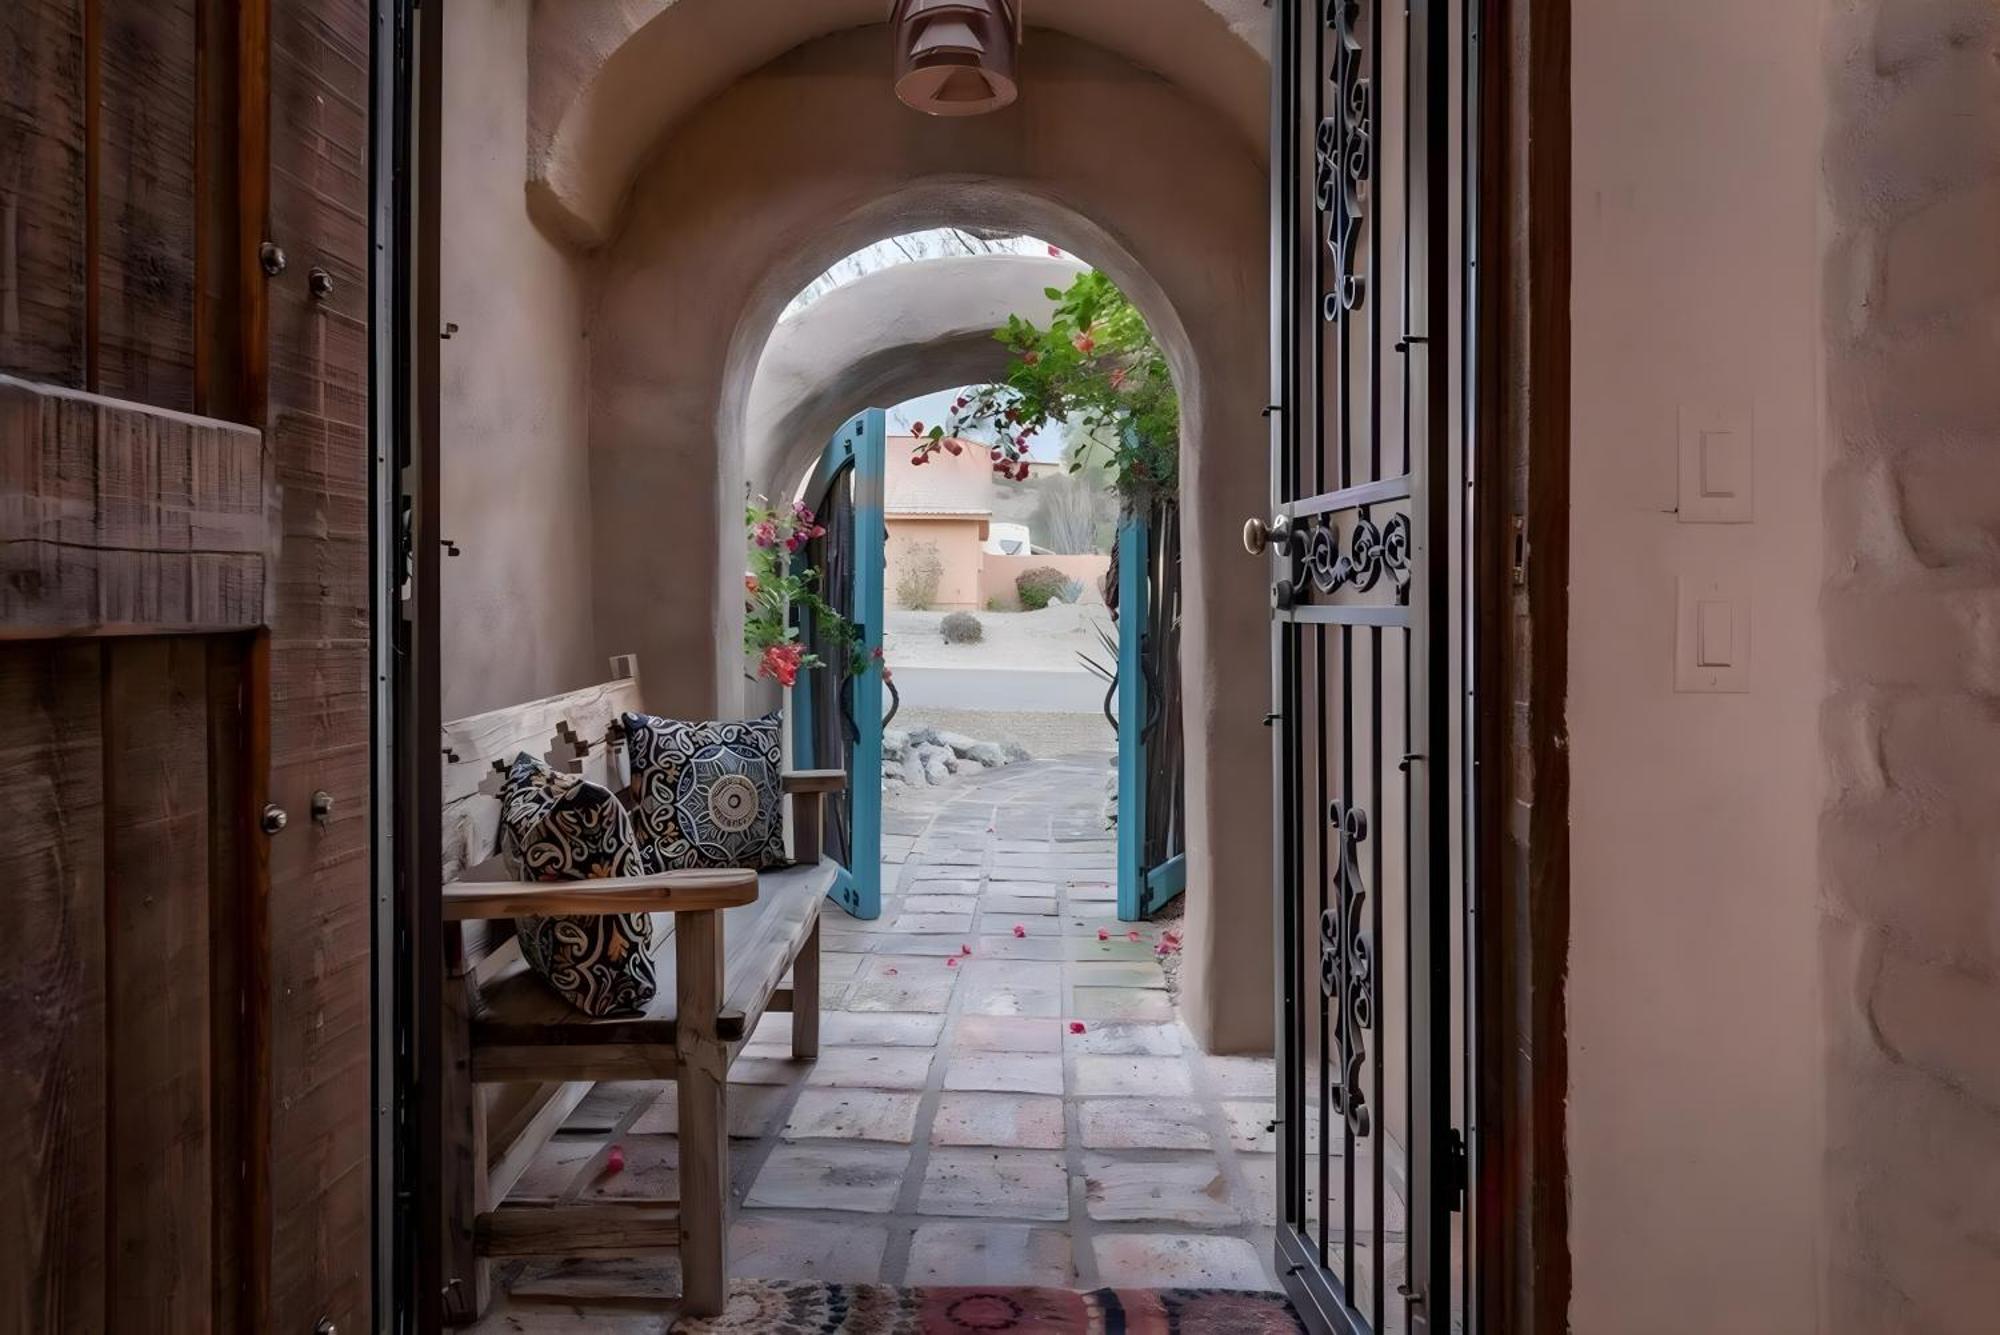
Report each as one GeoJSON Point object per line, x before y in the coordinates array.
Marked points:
{"type": "Point", "coordinates": [519, 1060]}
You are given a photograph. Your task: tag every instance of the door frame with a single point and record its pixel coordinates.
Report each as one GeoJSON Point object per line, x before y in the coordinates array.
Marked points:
{"type": "Point", "coordinates": [1517, 663]}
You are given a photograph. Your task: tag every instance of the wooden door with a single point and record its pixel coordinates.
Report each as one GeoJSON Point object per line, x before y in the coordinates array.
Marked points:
{"type": "Point", "coordinates": [185, 682]}
{"type": "Point", "coordinates": [1367, 542]}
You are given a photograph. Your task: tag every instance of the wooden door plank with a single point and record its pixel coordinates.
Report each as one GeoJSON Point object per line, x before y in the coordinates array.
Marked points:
{"type": "Point", "coordinates": [157, 963]}
{"type": "Point", "coordinates": [233, 945]}
{"type": "Point", "coordinates": [117, 519]}
{"type": "Point", "coordinates": [52, 1103]}
{"type": "Point", "coordinates": [148, 55]}
{"type": "Point", "coordinates": [314, 401]}
{"type": "Point", "coordinates": [42, 182]}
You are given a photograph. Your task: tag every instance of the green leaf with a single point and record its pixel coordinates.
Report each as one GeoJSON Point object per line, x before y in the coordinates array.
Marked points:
{"type": "Point", "coordinates": [1052, 293]}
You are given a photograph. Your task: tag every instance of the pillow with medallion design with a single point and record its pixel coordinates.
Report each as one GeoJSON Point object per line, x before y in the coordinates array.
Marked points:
{"type": "Point", "coordinates": [708, 792]}
{"type": "Point", "coordinates": [562, 827]}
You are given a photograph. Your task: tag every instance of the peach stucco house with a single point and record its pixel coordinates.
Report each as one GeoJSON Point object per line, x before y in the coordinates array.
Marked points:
{"type": "Point", "coordinates": [947, 504]}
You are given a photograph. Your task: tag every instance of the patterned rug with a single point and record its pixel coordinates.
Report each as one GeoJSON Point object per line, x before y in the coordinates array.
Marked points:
{"type": "Point", "coordinates": [797, 1307]}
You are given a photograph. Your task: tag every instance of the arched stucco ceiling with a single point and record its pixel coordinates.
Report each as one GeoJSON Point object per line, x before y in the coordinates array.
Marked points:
{"type": "Point", "coordinates": [609, 80]}
{"type": "Point", "coordinates": [881, 339]}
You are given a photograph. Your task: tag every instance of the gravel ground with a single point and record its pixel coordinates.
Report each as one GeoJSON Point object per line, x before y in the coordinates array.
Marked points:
{"type": "Point", "coordinates": [1044, 735]}
{"type": "Point", "coordinates": [1048, 640]}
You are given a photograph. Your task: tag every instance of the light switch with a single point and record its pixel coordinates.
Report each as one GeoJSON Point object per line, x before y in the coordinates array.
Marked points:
{"type": "Point", "coordinates": [1717, 466]}
{"type": "Point", "coordinates": [1712, 636]}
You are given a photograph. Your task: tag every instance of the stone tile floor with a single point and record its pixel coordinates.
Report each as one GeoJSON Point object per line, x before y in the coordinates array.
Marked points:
{"type": "Point", "coordinates": [955, 1128]}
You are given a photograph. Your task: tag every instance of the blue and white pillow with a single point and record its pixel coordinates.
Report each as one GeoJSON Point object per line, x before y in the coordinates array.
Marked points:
{"type": "Point", "coordinates": [709, 793]}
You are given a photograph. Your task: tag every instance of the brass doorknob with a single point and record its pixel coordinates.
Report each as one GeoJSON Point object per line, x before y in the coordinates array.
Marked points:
{"type": "Point", "coordinates": [1258, 536]}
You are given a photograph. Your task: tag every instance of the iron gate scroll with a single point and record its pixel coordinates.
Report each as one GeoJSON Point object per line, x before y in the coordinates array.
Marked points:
{"type": "Point", "coordinates": [1366, 543]}
{"type": "Point", "coordinates": [836, 719]}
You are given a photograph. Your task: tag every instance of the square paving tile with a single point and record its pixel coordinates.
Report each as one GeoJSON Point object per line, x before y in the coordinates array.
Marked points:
{"type": "Point", "coordinates": [939, 903]}
{"type": "Point", "coordinates": [1118, 1003]}
{"type": "Point", "coordinates": [1117, 973]}
{"type": "Point", "coordinates": [1005, 1073]}
{"type": "Point", "coordinates": [1015, 1121]}
{"type": "Point", "coordinates": [998, 999]}
{"type": "Point", "coordinates": [991, 1254]}
{"type": "Point", "coordinates": [1143, 1124]}
{"type": "Point", "coordinates": [754, 1111]}
{"type": "Point", "coordinates": [1252, 1126]}
{"type": "Point", "coordinates": [1093, 892]}
{"type": "Point", "coordinates": [998, 942]}
{"type": "Point", "coordinates": [1242, 1077]}
{"type": "Point", "coordinates": [1021, 888]}
{"type": "Point", "coordinates": [1016, 906]}
{"type": "Point", "coordinates": [878, 1029]}
{"type": "Point", "coordinates": [854, 1114]}
{"type": "Point", "coordinates": [1190, 1190]}
{"type": "Point", "coordinates": [956, 923]}
{"type": "Point", "coordinates": [776, 1248]}
{"type": "Point", "coordinates": [986, 1184]}
{"type": "Point", "coordinates": [1007, 1033]}
{"type": "Point", "coordinates": [917, 985]}
{"type": "Point", "coordinates": [1113, 1038]}
{"type": "Point", "coordinates": [1178, 1260]}
{"type": "Point", "coordinates": [1132, 1076]}
{"type": "Point", "coordinates": [831, 1177]}
{"type": "Point", "coordinates": [871, 1068]}
{"type": "Point", "coordinates": [1115, 947]}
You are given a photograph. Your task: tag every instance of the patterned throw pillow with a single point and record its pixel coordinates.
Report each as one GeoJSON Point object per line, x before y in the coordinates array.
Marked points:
{"type": "Point", "coordinates": [561, 827]}
{"type": "Point", "coordinates": [708, 792]}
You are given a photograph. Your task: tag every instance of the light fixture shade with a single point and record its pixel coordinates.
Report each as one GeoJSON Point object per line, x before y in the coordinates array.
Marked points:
{"type": "Point", "coordinates": [956, 57]}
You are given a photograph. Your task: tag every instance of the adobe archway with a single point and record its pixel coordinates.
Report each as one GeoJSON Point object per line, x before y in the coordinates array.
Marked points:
{"type": "Point", "coordinates": [759, 191]}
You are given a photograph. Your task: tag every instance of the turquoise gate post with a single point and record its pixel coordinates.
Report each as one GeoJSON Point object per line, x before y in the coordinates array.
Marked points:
{"type": "Point", "coordinates": [1133, 552]}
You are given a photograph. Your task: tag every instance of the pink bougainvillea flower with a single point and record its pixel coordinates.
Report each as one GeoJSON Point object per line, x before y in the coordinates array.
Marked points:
{"type": "Point", "coordinates": [765, 534]}
{"type": "Point", "coordinates": [954, 447]}
{"type": "Point", "coordinates": [1103, 934]}
{"type": "Point", "coordinates": [1019, 930]}
{"type": "Point", "coordinates": [1076, 1026]}
{"type": "Point", "coordinates": [614, 1162]}
{"type": "Point", "coordinates": [890, 971]}
{"type": "Point", "coordinates": [1084, 344]}
{"type": "Point", "coordinates": [1021, 474]}
{"type": "Point", "coordinates": [802, 512]}
{"type": "Point", "coordinates": [918, 459]}
{"type": "Point", "coordinates": [1013, 414]}
{"type": "Point", "coordinates": [951, 962]}
{"type": "Point", "coordinates": [965, 950]}
{"type": "Point", "coordinates": [1131, 936]}
{"type": "Point", "coordinates": [916, 428]}
{"type": "Point", "coordinates": [1055, 252]}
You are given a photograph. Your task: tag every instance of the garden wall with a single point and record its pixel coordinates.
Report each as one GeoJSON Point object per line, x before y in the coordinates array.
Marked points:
{"type": "Point", "coordinates": [996, 584]}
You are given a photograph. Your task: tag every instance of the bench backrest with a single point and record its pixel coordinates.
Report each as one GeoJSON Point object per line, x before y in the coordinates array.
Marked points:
{"type": "Point", "coordinates": [573, 732]}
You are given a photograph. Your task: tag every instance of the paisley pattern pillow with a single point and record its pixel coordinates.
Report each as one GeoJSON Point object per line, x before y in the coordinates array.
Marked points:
{"type": "Point", "coordinates": [708, 792]}
{"type": "Point", "coordinates": [561, 827]}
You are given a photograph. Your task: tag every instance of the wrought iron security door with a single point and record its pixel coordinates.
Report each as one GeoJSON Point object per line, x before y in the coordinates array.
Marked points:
{"type": "Point", "coordinates": [837, 719]}
{"type": "Point", "coordinates": [1367, 543]}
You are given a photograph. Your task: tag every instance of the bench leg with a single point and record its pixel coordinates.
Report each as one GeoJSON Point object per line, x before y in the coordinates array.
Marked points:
{"type": "Point", "coordinates": [805, 998]}
{"type": "Point", "coordinates": [699, 1087]}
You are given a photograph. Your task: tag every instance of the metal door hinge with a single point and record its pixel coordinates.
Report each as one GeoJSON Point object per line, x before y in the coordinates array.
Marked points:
{"type": "Point", "coordinates": [1457, 1169]}
{"type": "Point", "coordinates": [1520, 550]}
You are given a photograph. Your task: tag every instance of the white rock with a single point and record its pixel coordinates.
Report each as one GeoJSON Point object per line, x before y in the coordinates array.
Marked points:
{"type": "Point", "coordinates": [987, 755]}
{"type": "Point", "coordinates": [935, 769]}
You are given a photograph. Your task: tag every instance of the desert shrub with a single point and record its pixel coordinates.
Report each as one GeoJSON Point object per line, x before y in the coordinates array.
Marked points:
{"type": "Point", "coordinates": [996, 604]}
{"type": "Point", "coordinates": [962, 628]}
{"type": "Point", "coordinates": [1039, 587]}
{"type": "Point", "coordinates": [919, 571]}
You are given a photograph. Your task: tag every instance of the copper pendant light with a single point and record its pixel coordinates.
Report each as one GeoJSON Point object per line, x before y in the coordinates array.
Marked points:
{"type": "Point", "coordinates": [956, 57]}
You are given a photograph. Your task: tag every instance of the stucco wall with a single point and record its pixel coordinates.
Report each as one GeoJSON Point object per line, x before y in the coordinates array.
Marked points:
{"type": "Point", "coordinates": [997, 579]}
{"type": "Point", "coordinates": [1910, 839]}
{"type": "Point", "coordinates": [955, 543]}
{"type": "Point", "coordinates": [516, 607]}
{"type": "Point", "coordinates": [1694, 1120]}
{"type": "Point", "coordinates": [760, 189]}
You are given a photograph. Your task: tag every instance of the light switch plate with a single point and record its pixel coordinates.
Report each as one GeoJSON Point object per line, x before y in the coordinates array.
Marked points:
{"type": "Point", "coordinates": [1712, 635]}
{"type": "Point", "coordinates": [1718, 466]}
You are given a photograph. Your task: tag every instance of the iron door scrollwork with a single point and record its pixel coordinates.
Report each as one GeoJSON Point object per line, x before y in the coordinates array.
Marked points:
{"type": "Point", "coordinates": [1347, 969]}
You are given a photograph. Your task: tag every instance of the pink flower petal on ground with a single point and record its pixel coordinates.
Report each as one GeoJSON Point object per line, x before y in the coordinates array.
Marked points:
{"type": "Point", "coordinates": [889, 972]}
{"type": "Point", "coordinates": [1103, 934]}
{"type": "Point", "coordinates": [965, 950]}
{"type": "Point", "coordinates": [951, 962]}
{"type": "Point", "coordinates": [1076, 1026]}
{"type": "Point", "coordinates": [1131, 936]}
{"type": "Point", "coordinates": [1019, 930]}
{"type": "Point", "coordinates": [614, 1162]}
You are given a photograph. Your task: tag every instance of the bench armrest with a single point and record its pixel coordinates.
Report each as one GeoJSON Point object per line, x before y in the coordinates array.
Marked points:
{"type": "Point", "coordinates": [670, 892]}
{"type": "Point", "coordinates": [808, 789]}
